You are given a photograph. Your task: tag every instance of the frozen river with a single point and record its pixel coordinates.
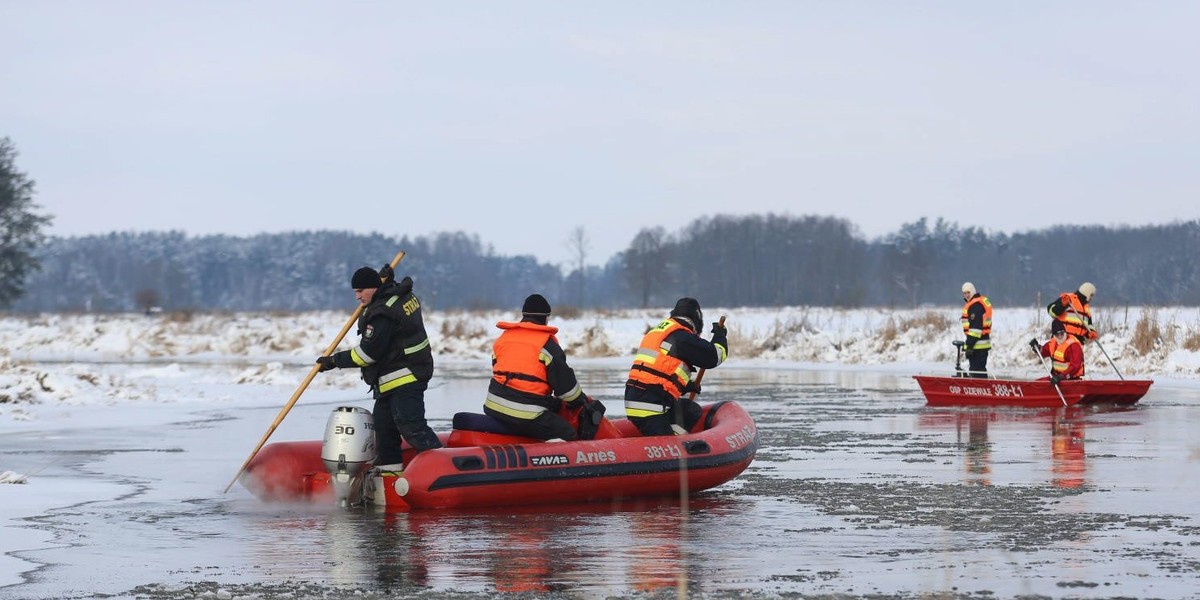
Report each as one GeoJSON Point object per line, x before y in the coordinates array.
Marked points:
{"type": "Point", "coordinates": [858, 490]}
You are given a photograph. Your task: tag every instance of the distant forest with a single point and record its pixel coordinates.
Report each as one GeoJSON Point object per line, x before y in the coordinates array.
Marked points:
{"type": "Point", "coordinates": [729, 261]}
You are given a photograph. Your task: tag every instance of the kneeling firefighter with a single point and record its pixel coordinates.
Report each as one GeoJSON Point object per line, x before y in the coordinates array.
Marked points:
{"type": "Point", "coordinates": [662, 371]}
{"type": "Point", "coordinates": [532, 382]}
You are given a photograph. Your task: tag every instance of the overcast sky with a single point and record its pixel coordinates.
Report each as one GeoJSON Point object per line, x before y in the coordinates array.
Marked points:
{"type": "Point", "coordinates": [519, 121]}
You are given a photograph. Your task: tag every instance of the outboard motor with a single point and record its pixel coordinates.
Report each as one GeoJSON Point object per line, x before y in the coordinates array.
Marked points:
{"type": "Point", "coordinates": [348, 451]}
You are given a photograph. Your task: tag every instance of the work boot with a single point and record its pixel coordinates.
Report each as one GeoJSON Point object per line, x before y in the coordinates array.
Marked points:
{"type": "Point", "coordinates": [376, 480]}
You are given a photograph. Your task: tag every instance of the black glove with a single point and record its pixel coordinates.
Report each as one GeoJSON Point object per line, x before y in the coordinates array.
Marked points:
{"type": "Point", "coordinates": [968, 351]}
{"type": "Point", "coordinates": [596, 408]}
{"type": "Point", "coordinates": [692, 387]}
{"type": "Point", "coordinates": [1054, 379]}
{"type": "Point", "coordinates": [718, 328]}
{"type": "Point", "coordinates": [1033, 343]}
{"type": "Point", "coordinates": [326, 363]}
{"type": "Point", "coordinates": [591, 413]}
{"type": "Point", "coordinates": [386, 273]}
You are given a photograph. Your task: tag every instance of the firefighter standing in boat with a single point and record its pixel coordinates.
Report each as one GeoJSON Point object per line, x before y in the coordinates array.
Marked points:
{"type": "Point", "coordinates": [532, 382]}
{"type": "Point", "coordinates": [1074, 311]}
{"type": "Point", "coordinates": [396, 361]}
{"type": "Point", "coordinates": [977, 327]}
{"type": "Point", "coordinates": [663, 369]}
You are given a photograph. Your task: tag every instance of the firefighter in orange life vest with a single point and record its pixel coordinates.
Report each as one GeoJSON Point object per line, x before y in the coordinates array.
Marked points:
{"type": "Point", "coordinates": [1065, 352]}
{"type": "Point", "coordinates": [663, 369]}
{"type": "Point", "coordinates": [1074, 311]}
{"type": "Point", "coordinates": [531, 380]}
{"type": "Point", "coordinates": [977, 326]}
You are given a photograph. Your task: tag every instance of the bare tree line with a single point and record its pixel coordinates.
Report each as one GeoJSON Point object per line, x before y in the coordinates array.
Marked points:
{"type": "Point", "coordinates": [751, 260]}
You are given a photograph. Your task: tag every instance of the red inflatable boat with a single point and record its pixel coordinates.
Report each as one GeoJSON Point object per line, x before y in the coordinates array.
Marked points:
{"type": "Point", "coordinates": [479, 467]}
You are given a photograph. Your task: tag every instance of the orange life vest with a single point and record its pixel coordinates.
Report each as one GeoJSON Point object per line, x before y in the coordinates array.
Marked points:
{"type": "Point", "coordinates": [653, 364]}
{"type": "Point", "coordinates": [1076, 316]}
{"type": "Point", "coordinates": [983, 337]}
{"type": "Point", "coordinates": [520, 358]}
{"type": "Point", "coordinates": [1058, 356]}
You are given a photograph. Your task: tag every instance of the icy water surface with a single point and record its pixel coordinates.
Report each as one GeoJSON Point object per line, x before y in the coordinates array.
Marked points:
{"type": "Point", "coordinates": [858, 490]}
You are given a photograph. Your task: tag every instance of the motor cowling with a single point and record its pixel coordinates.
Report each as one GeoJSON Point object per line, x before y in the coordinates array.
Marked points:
{"type": "Point", "coordinates": [348, 450]}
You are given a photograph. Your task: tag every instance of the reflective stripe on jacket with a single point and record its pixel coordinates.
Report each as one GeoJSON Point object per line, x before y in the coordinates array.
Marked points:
{"type": "Point", "coordinates": [519, 357]}
{"type": "Point", "coordinates": [519, 363]}
{"type": "Point", "coordinates": [1059, 362]}
{"type": "Point", "coordinates": [654, 365]}
{"type": "Point", "coordinates": [982, 330]}
{"type": "Point", "coordinates": [409, 357]}
{"type": "Point", "coordinates": [1076, 316]}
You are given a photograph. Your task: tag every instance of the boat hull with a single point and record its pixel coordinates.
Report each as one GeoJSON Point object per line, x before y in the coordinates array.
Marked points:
{"type": "Point", "coordinates": [968, 391]}
{"type": "Point", "coordinates": [480, 469]}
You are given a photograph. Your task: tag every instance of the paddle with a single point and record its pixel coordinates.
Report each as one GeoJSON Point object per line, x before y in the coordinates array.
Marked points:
{"type": "Point", "coordinates": [683, 475]}
{"type": "Point", "coordinates": [1047, 366]}
{"type": "Point", "coordinates": [700, 375]}
{"type": "Point", "coordinates": [304, 385]}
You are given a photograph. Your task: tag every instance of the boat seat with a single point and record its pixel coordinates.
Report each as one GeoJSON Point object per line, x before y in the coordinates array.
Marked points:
{"type": "Point", "coordinates": [476, 422]}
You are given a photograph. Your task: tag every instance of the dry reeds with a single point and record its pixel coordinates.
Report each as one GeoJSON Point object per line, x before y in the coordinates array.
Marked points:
{"type": "Point", "coordinates": [1147, 334]}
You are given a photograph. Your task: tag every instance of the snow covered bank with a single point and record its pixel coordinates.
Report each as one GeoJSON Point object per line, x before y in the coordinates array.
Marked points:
{"type": "Point", "coordinates": [52, 358]}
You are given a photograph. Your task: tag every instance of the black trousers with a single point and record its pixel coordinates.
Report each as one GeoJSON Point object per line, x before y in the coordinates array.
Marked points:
{"type": "Point", "coordinates": [978, 363]}
{"type": "Point", "coordinates": [400, 413]}
{"type": "Point", "coordinates": [546, 426]}
{"type": "Point", "coordinates": [683, 411]}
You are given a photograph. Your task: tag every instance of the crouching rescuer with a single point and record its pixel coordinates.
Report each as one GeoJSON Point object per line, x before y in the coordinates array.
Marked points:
{"type": "Point", "coordinates": [532, 382]}
{"type": "Point", "coordinates": [663, 369]}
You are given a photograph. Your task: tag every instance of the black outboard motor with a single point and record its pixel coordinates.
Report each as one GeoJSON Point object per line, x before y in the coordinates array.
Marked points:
{"type": "Point", "coordinates": [958, 372]}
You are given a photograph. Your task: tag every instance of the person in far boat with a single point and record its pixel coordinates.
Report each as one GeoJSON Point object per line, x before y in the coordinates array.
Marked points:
{"type": "Point", "coordinates": [1065, 352]}
{"type": "Point", "coordinates": [977, 326]}
{"type": "Point", "coordinates": [532, 382]}
{"type": "Point", "coordinates": [663, 369]}
{"type": "Point", "coordinates": [396, 361]}
{"type": "Point", "coordinates": [1074, 311]}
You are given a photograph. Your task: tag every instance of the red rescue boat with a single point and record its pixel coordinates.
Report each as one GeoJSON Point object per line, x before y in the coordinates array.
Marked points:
{"type": "Point", "coordinates": [969, 391]}
{"type": "Point", "coordinates": [479, 468]}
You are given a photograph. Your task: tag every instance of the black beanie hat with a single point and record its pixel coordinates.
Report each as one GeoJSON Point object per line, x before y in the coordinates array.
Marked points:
{"type": "Point", "coordinates": [536, 305]}
{"type": "Point", "coordinates": [1056, 326]}
{"type": "Point", "coordinates": [365, 278]}
{"type": "Point", "coordinates": [689, 308]}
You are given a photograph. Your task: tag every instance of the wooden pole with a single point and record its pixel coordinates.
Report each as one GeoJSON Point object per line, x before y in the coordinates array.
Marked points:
{"type": "Point", "coordinates": [304, 385]}
{"type": "Point", "coordinates": [681, 587]}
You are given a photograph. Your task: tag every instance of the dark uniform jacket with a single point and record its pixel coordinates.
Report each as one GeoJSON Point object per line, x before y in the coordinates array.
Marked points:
{"type": "Point", "coordinates": [393, 348]}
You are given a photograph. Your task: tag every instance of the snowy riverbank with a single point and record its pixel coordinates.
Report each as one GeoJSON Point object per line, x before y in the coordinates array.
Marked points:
{"type": "Point", "coordinates": [49, 358]}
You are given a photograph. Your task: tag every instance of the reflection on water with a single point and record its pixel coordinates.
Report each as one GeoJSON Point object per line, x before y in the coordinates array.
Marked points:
{"type": "Point", "coordinates": [1066, 450]}
{"type": "Point", "coordinates": [858, 490]}
{"type": "Point", "coordinates": [1066, 428]}
{"type": "Point", "coordinates": [978, 451]}
{"type": "Point", "coordinates": [601, 549]}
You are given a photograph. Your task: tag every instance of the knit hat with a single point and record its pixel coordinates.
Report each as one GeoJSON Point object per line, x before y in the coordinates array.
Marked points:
{"type": "Point", "coordinates": [689, 308]}
{"type": "Point", "coordinates": [1056, 326]}
{"type": "Point", "coordinates": [536, 305]}
{"type": "Point", "coordinates": [365, 278]}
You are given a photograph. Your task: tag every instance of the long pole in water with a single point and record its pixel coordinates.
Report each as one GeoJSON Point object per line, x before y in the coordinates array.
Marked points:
{"type": "Point", "coordinates": [304, 385]}
{"type": "Point", "coordinates": [1110, 361]}
{"type": "Point", "coordinates": [1043, 359]}
{"type": "Point", "coordinates": [1100, 346]}
{"type": "Point", "coordinates": [681, 581]}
